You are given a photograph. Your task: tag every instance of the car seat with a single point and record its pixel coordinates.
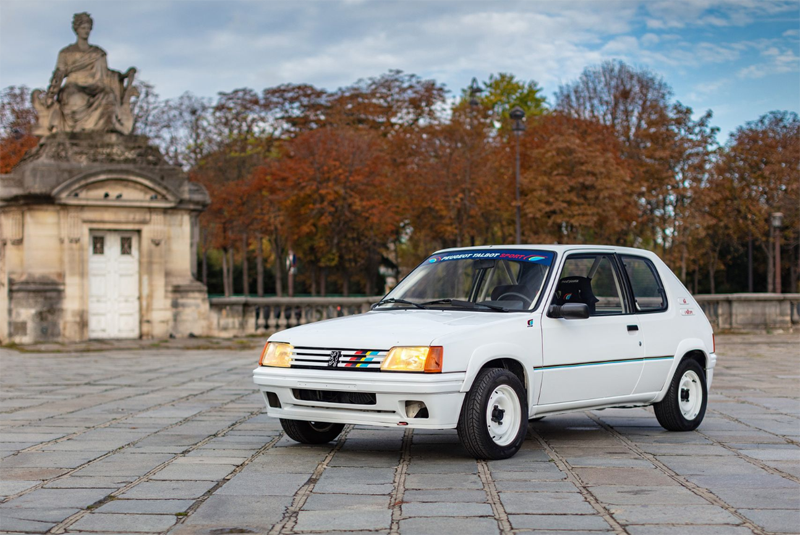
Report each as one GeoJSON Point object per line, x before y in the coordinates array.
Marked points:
{"type": "Point", "coordinates": [576, 289]}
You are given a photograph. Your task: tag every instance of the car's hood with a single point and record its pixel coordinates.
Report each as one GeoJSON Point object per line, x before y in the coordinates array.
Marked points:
{"type": "Point", "coordinates": [387, 328]}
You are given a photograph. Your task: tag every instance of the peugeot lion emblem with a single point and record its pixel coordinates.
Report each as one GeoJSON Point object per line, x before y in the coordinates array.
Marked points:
{"type": "Point", "coordinates": [333, 360]}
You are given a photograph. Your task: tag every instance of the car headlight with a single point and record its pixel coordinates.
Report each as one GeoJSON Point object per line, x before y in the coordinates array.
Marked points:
{"type": "Point", "coordinates": [413, 359]}
{"type": "Point", "coordinates": [276, 354]}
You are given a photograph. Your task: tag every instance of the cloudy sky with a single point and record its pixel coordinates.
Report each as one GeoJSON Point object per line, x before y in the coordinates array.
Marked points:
{"type": "Point", "coordinates": [740, 58]}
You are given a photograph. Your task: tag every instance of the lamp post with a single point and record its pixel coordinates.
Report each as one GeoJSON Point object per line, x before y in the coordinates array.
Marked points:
{"type": "Point", "coordinates": [474, 91]}
{"type": "Point", "coordinates": [777, 221]}
{"type": "Point", "coordinates": [517, 115]}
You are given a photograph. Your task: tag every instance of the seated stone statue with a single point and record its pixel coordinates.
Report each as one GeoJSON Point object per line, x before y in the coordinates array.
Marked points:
{"type": "Point", "coordinates": [92, 97]}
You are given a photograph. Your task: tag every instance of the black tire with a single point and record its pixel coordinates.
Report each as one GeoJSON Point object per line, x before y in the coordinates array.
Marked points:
{"type": "Point", "coordinates": [472, 427]}
{"type": "Point", "coordinates": [668, 410]}
{"type": "Point", "coordinates": [311, 432]}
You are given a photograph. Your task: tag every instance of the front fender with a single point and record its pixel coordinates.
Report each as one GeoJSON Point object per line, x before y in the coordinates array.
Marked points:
{"type": "Point", "coordinates": [486, 353]}
{"type": "Point", "coordinates": [686, 346]}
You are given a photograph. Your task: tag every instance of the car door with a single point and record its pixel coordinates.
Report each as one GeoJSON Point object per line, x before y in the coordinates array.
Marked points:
{"type": "Point", "coordinates": [655, 319]}
{"type": "Point", "coordinates": [594, 358]}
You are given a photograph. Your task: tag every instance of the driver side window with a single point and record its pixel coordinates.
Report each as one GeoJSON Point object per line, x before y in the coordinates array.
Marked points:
{"type": "Point", "coordinates": [591, 279]}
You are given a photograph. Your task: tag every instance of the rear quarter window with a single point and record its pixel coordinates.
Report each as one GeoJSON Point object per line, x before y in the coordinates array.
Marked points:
{"type": "Point", "coordinates": [648, 291]}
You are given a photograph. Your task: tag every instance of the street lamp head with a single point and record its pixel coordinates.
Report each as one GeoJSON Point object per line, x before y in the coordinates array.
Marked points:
{"type": "Point", "coordinates": [777, 219]}
{"type": "Point", "coordinates": [474, 91]}
{"type": "Point", "coordinates": [517, 114]}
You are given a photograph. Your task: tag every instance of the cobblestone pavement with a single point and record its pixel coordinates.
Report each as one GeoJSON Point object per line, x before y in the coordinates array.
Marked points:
{"type": "Point", "coordinates": [163, 440]}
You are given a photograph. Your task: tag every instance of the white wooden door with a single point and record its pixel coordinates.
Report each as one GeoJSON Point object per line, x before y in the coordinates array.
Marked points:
{"type": "Point", "coordinates": [113, 284]}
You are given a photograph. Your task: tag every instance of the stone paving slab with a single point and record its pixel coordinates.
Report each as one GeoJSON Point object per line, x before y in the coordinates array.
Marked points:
{"type": "Point", "coordinates": [171, 438]}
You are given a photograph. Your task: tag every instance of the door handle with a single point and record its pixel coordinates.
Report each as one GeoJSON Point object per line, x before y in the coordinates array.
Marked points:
{"type": "Point", "coordinates": [633, 328]}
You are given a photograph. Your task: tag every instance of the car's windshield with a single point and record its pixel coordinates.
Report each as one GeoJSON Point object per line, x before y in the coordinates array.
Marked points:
{"type": "Point", "coordinates": [492, 280]}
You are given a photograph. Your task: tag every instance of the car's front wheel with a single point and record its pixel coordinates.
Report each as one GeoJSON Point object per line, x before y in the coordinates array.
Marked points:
{"type": "Point", "coordinates": [684, 406]}
{"type": "Point", "coordinates": [311, 432]}
{"type": "Point", "coordinates": [494, 416]}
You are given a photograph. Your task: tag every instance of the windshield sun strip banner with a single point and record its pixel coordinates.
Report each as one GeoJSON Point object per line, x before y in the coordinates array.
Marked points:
{"type": "Point", "coordinates": [538, 257]}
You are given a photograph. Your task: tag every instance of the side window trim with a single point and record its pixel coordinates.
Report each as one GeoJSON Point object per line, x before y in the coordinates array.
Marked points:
{"type": "Point", "coordinates": [657, 276]}
{"type": "Point", "coordinates": [622, 279]}
{"type": "Point", "coordinates": [543, 294]}
{"type": "Point", "coordinates": [629, 298]}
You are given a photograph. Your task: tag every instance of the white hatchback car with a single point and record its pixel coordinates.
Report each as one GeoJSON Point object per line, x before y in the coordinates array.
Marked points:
{"type": "Point", "coordinates": [483, 339]}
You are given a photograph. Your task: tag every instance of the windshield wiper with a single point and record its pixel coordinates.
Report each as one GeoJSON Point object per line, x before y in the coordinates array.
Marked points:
{"type": "Point", "coordinates": [465, 304]}
{"type": "Point", "coordinates": [397, 300]}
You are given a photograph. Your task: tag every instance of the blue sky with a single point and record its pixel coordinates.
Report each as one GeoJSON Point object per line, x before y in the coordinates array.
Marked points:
{"type": "Point", "coordinates": [740, 58]}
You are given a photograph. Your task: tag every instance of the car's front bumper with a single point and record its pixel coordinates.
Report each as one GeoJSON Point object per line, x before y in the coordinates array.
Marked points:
{"type": "Point", "coordinates": [439, 392]}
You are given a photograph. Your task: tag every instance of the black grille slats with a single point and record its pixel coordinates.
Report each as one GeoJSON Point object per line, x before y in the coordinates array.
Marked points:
{"type": "Point", "coordinates": [338, 359]}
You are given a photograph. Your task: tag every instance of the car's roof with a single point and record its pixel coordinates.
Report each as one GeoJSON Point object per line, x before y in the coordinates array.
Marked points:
{"type": "Point", "coordinates": [551, 247]}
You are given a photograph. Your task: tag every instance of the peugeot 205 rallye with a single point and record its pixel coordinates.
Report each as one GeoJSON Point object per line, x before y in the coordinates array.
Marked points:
{"type": "Point", "coordinates": [483, 339]}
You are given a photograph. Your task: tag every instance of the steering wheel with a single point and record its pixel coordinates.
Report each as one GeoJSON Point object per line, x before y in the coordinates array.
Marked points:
{"type": "Point", "coordinates": [526, 301]}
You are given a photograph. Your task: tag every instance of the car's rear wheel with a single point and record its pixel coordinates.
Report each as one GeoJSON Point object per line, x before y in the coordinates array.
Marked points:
{"type": "Point", "coordinates": [311, 432]}
{"type": "Point", "coordinates": [494, 416]}
{"type": "Point", "coordinates": [684, 406]}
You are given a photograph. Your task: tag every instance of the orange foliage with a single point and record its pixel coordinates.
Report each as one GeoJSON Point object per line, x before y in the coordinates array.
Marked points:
{"type": "Point", "coordinates": [332, 190]}
{"type": "Point", "coordinates": [13, 148]}
{"type": "Point", "coordinates": [17, 118]}
{"type": "Point", "coordinates": [576, 187]}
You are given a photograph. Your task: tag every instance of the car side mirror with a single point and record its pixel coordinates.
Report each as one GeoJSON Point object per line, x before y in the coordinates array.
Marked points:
{"type": "Point", "coordinates": [576, 311]}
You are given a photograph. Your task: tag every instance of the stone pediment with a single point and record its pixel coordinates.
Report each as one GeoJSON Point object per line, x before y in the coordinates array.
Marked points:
{"type": "Point", "coordinates": [114, 188]}
{"type": "Point", "coordinates": [80, 168]}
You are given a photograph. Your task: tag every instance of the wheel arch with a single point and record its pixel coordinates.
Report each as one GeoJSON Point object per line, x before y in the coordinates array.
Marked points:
{"type": "Point", "coordinates": [696, 355]}
{"type": "Point", "coordinates": [689, 349]}
{"type": "Point", "coordinates": [512, 365]}
{"type": "Point", "coordinates": [500, 359]}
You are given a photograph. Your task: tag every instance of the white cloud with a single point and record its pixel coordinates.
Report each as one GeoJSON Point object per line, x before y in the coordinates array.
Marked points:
{"type": "Point", "coordinates": [209, 46]}
{"type": "Point", "coordinates": [666, 14]}
{"type": "Point", "coordinates": [776, 61]}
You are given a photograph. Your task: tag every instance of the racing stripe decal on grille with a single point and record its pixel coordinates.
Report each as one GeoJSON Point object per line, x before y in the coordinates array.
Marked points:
{"type": "Point", "coordinates": [338, 359]}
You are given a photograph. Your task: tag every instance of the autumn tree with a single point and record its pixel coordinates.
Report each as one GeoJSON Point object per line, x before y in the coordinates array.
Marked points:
{"type": "Point", "coordinates": [576, 187]}
{"type": "Point", "coordinates": [333, 187]}
{"type": "Point", "coordinates": [17, 119]}
{"type": "Point", "coordinates": [503, 91]}
{"type": "Point", "coordinates": [666, 150]}
{"type": "Point", "coordinates": [762, 165]}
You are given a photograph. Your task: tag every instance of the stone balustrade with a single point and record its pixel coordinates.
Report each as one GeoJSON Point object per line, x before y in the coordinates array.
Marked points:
{"type": "Point", "coordinates": [751, 312]}
{"type": "Point", "coordinates": [244, 316]}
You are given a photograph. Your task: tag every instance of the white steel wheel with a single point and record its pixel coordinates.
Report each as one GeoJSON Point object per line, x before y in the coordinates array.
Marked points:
{"type": "Point", "coordinates": [503, 415]}
{"type": "Point", "coordinates": [684, 405]}
{"type": "Point", "coordinates": [691, 395]}
{"type": "Point", "coordinates": [494, 415]}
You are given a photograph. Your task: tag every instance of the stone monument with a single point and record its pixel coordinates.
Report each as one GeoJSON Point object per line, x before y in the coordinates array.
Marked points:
{"type": "Point", "coordinates": [98, 232]}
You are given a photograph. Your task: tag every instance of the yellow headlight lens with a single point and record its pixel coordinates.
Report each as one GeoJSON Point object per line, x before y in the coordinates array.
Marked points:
{"type": "Point", "coordinates": [277, 354]}
{"type": "Point", "coordinates": [413, 359]}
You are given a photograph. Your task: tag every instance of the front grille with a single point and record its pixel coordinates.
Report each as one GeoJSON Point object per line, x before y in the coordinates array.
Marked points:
{"type": "Point", "coordinates": [332, 396]}
{"type": "Point", "coordinates": [344, 359]}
